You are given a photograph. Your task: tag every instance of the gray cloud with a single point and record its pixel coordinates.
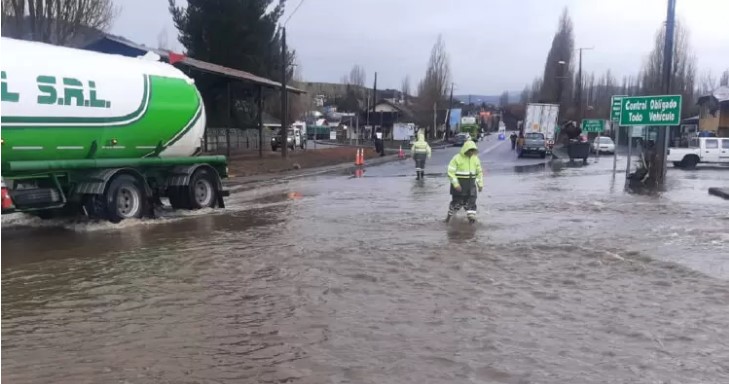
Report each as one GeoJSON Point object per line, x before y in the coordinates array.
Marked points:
{"type": "Point", "coordinates": [493, 44]}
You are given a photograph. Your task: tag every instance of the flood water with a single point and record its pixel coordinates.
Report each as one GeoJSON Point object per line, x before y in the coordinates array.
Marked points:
{"type": "Point", "coordinates": [564, 279]}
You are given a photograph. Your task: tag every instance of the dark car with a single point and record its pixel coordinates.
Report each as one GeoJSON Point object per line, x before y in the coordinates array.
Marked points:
{"type": "Point", "coordinates": [461, 139]}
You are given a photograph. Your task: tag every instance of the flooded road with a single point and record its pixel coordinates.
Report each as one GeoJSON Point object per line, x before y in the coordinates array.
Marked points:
{"type": "Point", "coordinates": [564, 279]}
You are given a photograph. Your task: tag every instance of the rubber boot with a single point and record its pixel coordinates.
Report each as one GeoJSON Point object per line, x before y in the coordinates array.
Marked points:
{"type": "Point", "coordinates": [471, 218]}
{"type": "Point", "coordinates": [451, 212]}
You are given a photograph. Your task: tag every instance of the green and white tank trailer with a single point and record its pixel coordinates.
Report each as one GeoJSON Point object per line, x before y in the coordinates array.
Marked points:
{"type": "Point", "coordinates": [104, 135]}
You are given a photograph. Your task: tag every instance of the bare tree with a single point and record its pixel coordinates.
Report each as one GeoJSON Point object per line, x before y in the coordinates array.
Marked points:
{"type": "Point", "coordinates": [707, 83]}
{"type": "Point", "coordinates": [535, 89]}
{"type": "Point", "coordinates": [433, 87]}
{"type": "Point", "coordinates": [162, 40]}
{"type": "Point", "coordinates": [504, 99]}
{"type": "Point", "coordinates": [524, 97]}
{"type": "Point", "coordinates": [58, 21]}
{"type": "Point", "coordinates": [683, 78]}
{"type": "Point", "coordinates": [724, 80]}
{"type": "Point", "coordinates": [357, 76]}
{"type": "Point", "coordinates": [405, 87]}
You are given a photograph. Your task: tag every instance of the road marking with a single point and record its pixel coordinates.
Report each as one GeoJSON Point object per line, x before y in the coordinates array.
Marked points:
{"type": "Point", "coordinates": [146, 147]}
{"type": "Point", "coordinates": [113, 147]}
{"type": "Point", "coordinates": [69, 147]}
{"type": "Point", "coordinates": [491, 148]}
{"type": "Point", "coordinates": [27, 148]}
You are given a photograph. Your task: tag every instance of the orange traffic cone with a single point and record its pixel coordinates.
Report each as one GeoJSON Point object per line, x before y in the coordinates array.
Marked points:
{"type": "Point", "coordinates": [401, 154]}
{"type": "Point", "coordinates": [361, 157]}
{"type": "Point", "coordinates": [357, 158]}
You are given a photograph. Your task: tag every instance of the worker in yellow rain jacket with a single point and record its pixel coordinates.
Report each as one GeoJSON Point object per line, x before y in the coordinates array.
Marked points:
{"type": "Point", "coordinates": [466, 177]}
{"type": "Point", "coordinates": [420, 152]}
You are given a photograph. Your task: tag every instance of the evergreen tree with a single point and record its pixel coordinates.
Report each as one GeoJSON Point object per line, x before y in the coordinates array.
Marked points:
{"type": "Point", "coordinates": [557, 76]}
{"type": "Point", "coordinates": [239, 34]}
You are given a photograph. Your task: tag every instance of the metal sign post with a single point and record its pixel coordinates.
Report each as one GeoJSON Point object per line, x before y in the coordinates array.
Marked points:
{"type": "Point", "coordinates": [616, 103]}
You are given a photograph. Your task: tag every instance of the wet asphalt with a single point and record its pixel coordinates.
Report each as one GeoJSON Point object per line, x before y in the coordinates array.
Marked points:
{"type": "Point", "coordinates": [565, 278]}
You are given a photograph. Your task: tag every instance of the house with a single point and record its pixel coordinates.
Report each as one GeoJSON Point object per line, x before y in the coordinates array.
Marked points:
{"type": "Point", "coordinates": [714, 112]}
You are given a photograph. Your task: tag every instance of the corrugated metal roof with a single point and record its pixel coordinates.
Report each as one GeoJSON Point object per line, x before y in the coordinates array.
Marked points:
{"type": "Point", "coordinates": [721, 94]}
{"type": "Point", "coordinates": [234, 73]}
{"type": "Point", "coordinates": [200, 65]}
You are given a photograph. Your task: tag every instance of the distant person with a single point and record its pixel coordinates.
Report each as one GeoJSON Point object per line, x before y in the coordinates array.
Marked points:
{"type": "Point", "coordinates": [466, 177]}
{"type": "Point", "coordinates": [520, 142]}
{"type": "Point", "coordinates": [420, 151]}
{"type": "Point", "coordinates": [513, 138]}
{"type": "Point", "coordinates": [379, 143]}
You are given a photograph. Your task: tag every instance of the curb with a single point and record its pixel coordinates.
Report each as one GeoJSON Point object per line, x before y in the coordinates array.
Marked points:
{"type": "Point", "coordinates": [243, 182]}
{"type": "Point", "coordinates": [720, 192]}
{"type": "Point", "coordinates": [436, 145]}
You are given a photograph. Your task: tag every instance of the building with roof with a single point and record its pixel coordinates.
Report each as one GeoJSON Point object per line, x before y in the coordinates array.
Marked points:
{"type": "Point", "coordinates": [228, 80]}
{"type": "Point", "coordinates": [714, 112]}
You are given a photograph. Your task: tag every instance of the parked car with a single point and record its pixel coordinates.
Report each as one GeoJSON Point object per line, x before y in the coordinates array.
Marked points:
{"type": "Point", "coordinates": [701, 150]}
{"type": "Point", "coordinates": [461, 139]}
{"type": "Point", "coordinates": [603, 144]}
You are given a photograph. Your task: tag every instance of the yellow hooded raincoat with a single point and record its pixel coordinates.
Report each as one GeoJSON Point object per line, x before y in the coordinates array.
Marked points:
{"type": "Point", "coordinates": [462, 167]}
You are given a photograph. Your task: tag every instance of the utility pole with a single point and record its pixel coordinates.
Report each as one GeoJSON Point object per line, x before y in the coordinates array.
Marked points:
{"type": "Point", "coordinates": [374, 104]}
{"type": "Point", "coordinates": [284, 97]}
{"type": "Point", "coordinates": [435, 118]}
{"type": "Point", "coordinates": [658, 170]}
{"type": "Point", "coordinates": [284, 88]}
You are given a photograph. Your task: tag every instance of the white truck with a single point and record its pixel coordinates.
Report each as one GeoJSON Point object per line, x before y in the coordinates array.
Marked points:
{"type": "Point", "coordinates": [541, 119]}
{"type": "Point", "coordinates": [701, 150]}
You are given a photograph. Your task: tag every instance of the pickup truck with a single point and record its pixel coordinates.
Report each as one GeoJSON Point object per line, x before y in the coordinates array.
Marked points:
{"type": "Point", "coordinates": [294, 139]}
{"type": "Point", "coordinates": [701, 150]}
{"type": "Point", "coordinates": [534, 143]}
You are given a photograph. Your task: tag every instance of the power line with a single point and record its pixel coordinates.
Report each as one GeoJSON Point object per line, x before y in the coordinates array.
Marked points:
{"type": "Point", "coordinates": [292, 13]}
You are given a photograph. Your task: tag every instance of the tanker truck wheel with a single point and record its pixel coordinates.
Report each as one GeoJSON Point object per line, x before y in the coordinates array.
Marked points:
{"type": "Point", "coordinates": [200, 193]}
{"type": "Point", "coordinates": [203, 191]}
{"type": "Point", "coordinates": [124, 198]}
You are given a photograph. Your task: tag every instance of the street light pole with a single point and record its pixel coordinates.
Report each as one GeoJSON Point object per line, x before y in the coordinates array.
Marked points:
{"type": "Point", "coordinates": [284, 97]}
{"type": "Point", "coordinates": [579, 88]}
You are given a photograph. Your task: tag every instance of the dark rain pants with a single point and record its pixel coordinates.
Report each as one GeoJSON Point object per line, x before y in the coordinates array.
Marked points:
{"type": "Point", "coordinates": [420, 161]}
{"type": "Point", "coordinates": [465, 199]}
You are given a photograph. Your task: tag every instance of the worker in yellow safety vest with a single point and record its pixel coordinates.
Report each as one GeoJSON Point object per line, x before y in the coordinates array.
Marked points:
{"type": "Point", "coordinates": [466, 177]}
{"type": "Point", "coordinates": [420, 152]}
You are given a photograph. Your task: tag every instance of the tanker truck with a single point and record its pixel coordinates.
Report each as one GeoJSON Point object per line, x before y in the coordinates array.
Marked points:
{"type": "Point", "coordinates": [103, 135]}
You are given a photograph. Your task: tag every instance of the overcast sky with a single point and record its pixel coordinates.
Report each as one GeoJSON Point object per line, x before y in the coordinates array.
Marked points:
{"type": "Point", "coordinates": [494, 45]}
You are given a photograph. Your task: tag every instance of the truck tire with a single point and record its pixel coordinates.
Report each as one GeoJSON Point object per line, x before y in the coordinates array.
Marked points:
{"type": "Point", "coordinates": [200, 193]}
{"type": "Point", "coordinates": [124, 198]}
{"type": "Point", "coordinates": [689, 162]}
{"type": "Point", "coordinates": [677, 164]}
{"type": "Point", "coordinates": [203, 190]}
{"type": "Point", "coordinates": [273, 148]}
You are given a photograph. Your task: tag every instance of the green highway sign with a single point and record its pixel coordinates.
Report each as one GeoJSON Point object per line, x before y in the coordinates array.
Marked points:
{"type": "Point", "coordinates": [593, 125]}
{"type": "Point", "coordinates": [616, 105]}
{"type": "Point", "coordinates": [651, 110]}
